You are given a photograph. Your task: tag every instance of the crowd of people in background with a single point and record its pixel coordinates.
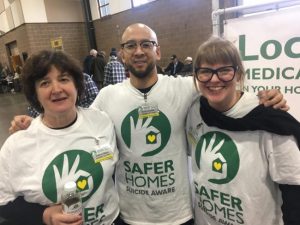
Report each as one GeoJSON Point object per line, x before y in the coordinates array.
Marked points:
{"type": "Point", "coordinates": [101, 71]}
{"type": "Point", "coordinates": [104, 72]}
{"type": "Point", "coordinates": [177, 68]}
{"type": "Point", "coordinates": [114, 71]}
{"type": "Point", "coordinates": [10, 80]}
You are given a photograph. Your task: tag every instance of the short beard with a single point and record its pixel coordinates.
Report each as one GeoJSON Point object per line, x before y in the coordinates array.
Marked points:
{"type": "Point", "coordinates": [141, 74]}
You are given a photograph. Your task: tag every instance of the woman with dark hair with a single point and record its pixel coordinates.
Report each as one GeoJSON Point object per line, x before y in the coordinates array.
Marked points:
{"type": "Point", "coordinates": [43, 63]}
{"type": "Point", "coordinates": [65, 143]}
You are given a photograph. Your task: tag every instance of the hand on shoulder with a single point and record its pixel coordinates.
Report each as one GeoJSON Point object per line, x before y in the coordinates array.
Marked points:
{"type": "Point", "coordinates": [19, 122]}
{"type": "Point", "coordinates": [273, 98]}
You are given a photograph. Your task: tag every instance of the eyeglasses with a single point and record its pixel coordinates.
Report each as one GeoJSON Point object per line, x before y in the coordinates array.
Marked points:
{"type": "Point", "coordinates": [225, 74]}
{"type": "Point", "coordinates": [131, 46]}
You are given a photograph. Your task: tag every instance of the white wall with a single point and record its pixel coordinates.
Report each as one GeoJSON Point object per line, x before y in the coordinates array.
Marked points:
{"type": "Point", "coordinates": [9, 18]}
{"type": "Point", "coordinates": [64, 11]}
{"type": "Point", "coordinates": [117, 6]}
{"type": "Point", "coordinates": [6, 3]}
{"type": "Point", "coordinates": [34, 11]}
{"type": "Point", "coordinates": [12, 16]}
{"type": "Point", "coordinates": [3, 22]}
{"type": "Point", "coordinates": [94, 9]}
{"type": "Point", "coordinates": [17, 13]}
{"type": "Point", "coordinates": [21, 11]}
{"type": "Point", "coordinates": [2, 8]}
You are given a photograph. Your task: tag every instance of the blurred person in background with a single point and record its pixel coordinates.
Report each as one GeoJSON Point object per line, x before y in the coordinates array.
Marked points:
{"type": "Point", "coordinates": [114, 71]}
{"type": "Point", "coordinates": [187, 69]}
{"type": "Point", "coordinates": [97, 69]}
{"type": "Point", "coordinates": [174, 67]}
{"type": "Point", "coordinates": [87, 62]}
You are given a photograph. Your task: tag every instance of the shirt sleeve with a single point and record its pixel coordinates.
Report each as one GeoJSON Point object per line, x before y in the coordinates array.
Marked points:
{"type": "Point", "coordinates": [99, 100]}
{"type": "Point", "coordinates": [192, 125]}
{"type": "Point", "coordinates": [32, 112]}
{"type": "Point", "coordinates": [284, 159]}
{"type": "Point", "coordinates": [91, 91]}
{"type": "Point", "coordinates": [13, 207]}
{"type": "Point", "coordinates": [120, 73]}
{"type": "Point", "coordinates": [6, 191]}
{"type": "Point", "coordinates": [107, 74]}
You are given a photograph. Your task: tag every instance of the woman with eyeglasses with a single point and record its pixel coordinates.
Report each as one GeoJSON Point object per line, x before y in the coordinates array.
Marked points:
{"type": "Point", "coordinates": [245, 157]}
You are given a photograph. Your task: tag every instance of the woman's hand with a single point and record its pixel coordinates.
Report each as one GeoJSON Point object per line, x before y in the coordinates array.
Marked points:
{"type": "Point", "coordinates": [53, 215]}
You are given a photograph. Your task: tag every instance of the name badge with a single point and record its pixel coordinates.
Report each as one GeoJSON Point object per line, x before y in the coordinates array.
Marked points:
{"type": "Point", "coordinates": [148, 110]}
{"type": "Point", "coordinates": [103, 153]}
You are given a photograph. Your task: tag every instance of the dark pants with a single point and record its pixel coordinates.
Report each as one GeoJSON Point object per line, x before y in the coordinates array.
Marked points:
{"type": "Point", "coordinates": [99, 84]}
{"type": "Point", "coordinates": [118, 221]}
{"type": "Point", "coordinates": [190, 222]}
{"type": "Point", "coordinates": [121, 222]}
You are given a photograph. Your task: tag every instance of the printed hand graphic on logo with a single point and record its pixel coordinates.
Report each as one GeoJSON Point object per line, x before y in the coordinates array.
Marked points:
{"type": "Point", "coordinates": [212, 160]}
{"type": "Point", "coordinates": [84, 183]}
{"type": "Point", "coordinates": [144, 138]}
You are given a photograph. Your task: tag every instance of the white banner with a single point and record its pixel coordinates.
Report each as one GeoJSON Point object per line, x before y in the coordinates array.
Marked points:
{"type": "Point", "coordinates": [269, 44]}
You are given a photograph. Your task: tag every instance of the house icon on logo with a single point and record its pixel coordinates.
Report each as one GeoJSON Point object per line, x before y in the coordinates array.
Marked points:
{"type": "Point", "coordinates": [217, 165]}
{"type": "Point", "coordinates": [151, 138]}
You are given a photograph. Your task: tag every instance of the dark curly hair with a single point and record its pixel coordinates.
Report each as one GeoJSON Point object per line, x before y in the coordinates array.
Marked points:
{"type": "Point", "coordinates": [39, 64]}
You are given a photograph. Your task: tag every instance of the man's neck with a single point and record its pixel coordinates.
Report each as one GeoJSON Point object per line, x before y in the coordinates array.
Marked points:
{"type": "Point", "coordinates": [145, 82]}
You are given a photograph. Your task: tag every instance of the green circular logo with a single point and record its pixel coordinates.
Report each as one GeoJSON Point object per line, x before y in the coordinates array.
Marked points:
{"type": "Point", "coordinates": [73, 165]}
{"type": "Point", "coordinates": [217, 156]}
{"type": "Point", "coordinates": [145, 136]}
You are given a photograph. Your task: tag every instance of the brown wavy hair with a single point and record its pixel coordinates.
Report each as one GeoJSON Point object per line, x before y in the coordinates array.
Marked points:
{"type": "Point", "coordinates": [38, 65]}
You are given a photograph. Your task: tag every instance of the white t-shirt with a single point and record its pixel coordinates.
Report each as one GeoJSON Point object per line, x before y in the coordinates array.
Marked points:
{"type": "Point", "coordinates": [236, 174]}
{"type": "Point", "coordinates": [151, 175]}
{"type": "Point", "coordinates": [37, 162]}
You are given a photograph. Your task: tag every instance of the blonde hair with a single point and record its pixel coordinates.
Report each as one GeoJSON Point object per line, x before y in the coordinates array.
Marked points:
{"type": "Point", "coordinates": [219, 50]}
